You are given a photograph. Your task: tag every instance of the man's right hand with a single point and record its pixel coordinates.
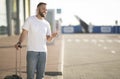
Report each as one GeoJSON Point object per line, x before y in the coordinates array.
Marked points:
{"type": "Point", "coordinates": [18, 45]}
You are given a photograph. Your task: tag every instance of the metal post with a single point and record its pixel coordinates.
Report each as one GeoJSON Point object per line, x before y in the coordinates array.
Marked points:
{"type": "Point", "coordinates": [24, 9]}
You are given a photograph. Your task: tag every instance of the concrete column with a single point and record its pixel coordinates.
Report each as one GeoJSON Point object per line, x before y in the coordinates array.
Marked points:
{"type": "Point", "coordinates": [9, 16]}
{"type": "Point", "coordinates": [18, 19]}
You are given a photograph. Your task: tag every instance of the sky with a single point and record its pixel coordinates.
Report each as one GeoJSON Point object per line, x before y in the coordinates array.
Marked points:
{"type": "Point", "coordinates": [96, 12]}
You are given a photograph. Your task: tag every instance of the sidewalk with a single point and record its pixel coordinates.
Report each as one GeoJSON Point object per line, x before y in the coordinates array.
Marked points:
{"type": "Point", "coordinates": [7, 57]}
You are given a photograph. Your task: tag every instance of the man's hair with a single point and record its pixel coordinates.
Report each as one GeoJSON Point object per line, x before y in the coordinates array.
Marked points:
{"type": "Point", "coordinates": [41, 3]}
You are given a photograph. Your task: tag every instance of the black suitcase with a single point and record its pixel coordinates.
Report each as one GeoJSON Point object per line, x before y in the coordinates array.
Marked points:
{"type": "Point", "coordinates": [15, 76]}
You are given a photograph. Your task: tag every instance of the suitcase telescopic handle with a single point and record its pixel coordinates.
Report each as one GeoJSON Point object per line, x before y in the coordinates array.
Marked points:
{"type": "Point", "coordinates": [16, 62]}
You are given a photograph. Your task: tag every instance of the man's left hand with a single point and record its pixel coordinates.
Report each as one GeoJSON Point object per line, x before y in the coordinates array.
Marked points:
{"type": "Point", "coordinates": [54, 34]}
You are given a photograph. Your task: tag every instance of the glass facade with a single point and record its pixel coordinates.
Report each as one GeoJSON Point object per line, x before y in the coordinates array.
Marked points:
{"type": "Point", "coordinates": [3, 13]}
{"type": "Point", "coordinates": [12, 16]}
{"type": "Point", "coordinates": [3, 20]}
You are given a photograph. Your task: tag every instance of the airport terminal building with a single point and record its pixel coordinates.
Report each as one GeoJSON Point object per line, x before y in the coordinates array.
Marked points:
{"type": "Point", "coordinates": [14, 12]}
{"type": "Point", "coordinates": [12, 15]}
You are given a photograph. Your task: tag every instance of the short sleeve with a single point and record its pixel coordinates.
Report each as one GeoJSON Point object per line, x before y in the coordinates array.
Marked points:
{"type": "Point", "coordinates": [49, 30]}
{"type": "Point", "coordinates": [26, 25]}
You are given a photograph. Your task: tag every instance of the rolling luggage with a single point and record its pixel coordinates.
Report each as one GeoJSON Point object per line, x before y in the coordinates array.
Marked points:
{"type": "Point", "coordinates": [16, 76]}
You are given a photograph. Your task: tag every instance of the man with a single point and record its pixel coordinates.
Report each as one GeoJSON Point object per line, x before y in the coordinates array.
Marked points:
{"type": "Point", "coordinates": [38, 31]}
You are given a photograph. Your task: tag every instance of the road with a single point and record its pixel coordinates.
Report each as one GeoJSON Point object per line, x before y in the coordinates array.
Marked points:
{"type": "Point", "coordinates": [91, 56]}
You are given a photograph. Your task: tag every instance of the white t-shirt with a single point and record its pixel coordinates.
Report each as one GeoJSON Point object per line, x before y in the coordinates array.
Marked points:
{"type": "Point", "coordinates": [37, 31]}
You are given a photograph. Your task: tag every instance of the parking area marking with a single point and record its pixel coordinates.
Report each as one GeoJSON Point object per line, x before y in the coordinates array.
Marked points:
{"type": "Point", "coordinates": [99, 42]}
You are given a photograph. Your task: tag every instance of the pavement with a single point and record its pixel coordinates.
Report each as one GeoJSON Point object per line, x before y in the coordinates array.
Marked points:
{"type": "Point", "coordinates": [54, 66]}
{"type": "Point", "coordinates": [91, 56]}
{"type": "Point", "coordinates": [70, 56]}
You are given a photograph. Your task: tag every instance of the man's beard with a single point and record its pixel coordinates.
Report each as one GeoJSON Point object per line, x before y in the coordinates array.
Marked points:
{"type": "Point", "coordinates": [41, 14]}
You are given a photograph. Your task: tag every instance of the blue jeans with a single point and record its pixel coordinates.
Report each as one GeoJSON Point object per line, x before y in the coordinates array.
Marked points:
{"type": "Point", "coordinates": [36, 61]}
